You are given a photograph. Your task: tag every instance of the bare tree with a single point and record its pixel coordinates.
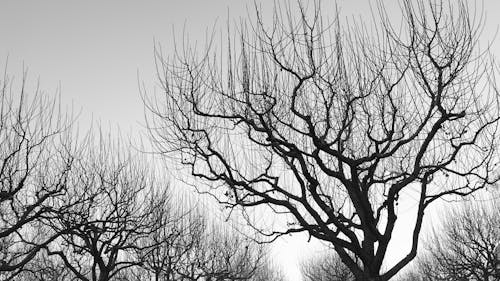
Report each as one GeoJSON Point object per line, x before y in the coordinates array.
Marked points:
{"type": "Point", "coordinates": [411, 275]}
{"type": "Point", "coordinates": [35, 159]}
{"type": "Point", "coordinates": [463, 247]}
{"type": "Point", "coordinates": [223, 255]}
{"type": "Point", "coordinates": [269, 272]}
{"type": "Point", "coordinates": [114, 202]}
{"type": "Point", "coordinates": [328, 125]}
{"type": "Point", "coordinates": [165, 251]}
{"type": "Point", "coordinates": [44, 267]}
{"type": "Point", "coordinates": [325, 268]}
{"type": "Point", "coordinates": [192, 248]}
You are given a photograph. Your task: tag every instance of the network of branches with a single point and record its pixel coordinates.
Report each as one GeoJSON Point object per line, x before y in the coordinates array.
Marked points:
{"type": "Point", "coordinates": [327, 123]}
{"type": "Point", "coordinates": [92, 209]}
{"type": "Point", "coordinates": [318, 124]}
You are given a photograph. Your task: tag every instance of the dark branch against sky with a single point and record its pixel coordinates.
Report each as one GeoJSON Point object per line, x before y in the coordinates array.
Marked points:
{"type": "Point", "coordinates": [97, 52]}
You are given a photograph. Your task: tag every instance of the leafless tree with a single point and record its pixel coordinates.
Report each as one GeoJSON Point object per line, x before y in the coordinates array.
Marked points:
{"type": "Point", "coordinates": [327, 125]}
{"type": "Point", "coordinates": [114, 202]}
{"type": "Point", "coordinates": [327, 267]}
{"type": "Point", "coordinates": [192, 248]}
{"type": "Point", "coordinates": [35, 159]}
{"type": "Point", "coordinates": [411, 275]}
{"type": "Point", "coordinates": [44, 267]}
{"type": "Point", "coordinates": [463, 247]}
{"type": "Point", "coordinates": [268, 271]}
{"type": "Point", "coordinates": [165, 251]}
{"type": "Point", "coordinates": [223, 255]}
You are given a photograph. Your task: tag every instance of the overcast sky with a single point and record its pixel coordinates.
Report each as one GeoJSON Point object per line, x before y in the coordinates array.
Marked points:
{"type": "Point", "coordinates": [96, 51]}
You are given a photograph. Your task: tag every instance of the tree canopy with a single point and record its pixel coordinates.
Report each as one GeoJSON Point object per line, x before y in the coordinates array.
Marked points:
{"type": "Point", "coordinates": [327, 123]}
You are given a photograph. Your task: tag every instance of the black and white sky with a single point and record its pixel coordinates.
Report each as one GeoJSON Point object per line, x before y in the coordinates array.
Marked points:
{"type": "Point", "coordinates": [97, 52]}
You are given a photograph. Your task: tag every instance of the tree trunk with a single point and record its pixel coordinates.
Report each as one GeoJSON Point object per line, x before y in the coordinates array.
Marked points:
{"type": "Point", "coordinates": [104, 276]}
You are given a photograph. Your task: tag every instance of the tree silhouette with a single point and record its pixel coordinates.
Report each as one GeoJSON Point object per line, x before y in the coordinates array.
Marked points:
{"type": "Point", "coordinates": [193, 249]}
{"type": "Point", "coordinates": [328, 125]}
{"type": "Point", "coordinates": [44, 267]}
{"type": "Point", "coordinates": [463, 247]}
{"type": "Point", "coordinates": [325, 268]}
{"type": "Point", "coordinates": [36, 156]}
{"type": "Point", "coordinates": [114, 202]}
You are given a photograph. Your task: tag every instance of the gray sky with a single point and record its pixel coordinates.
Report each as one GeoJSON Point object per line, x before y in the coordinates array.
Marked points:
{"type": "Point", "coordinates": [95, 49]}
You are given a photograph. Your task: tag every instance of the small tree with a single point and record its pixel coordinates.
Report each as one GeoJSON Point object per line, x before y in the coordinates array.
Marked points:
{"type": "Point", "coordinates": [463, 247]}
{"type": "Point", "coordinates": [219, 253]}
{"type": "Point", "coordinates": [225, 255]}
{"type": "Point", "coordinates": [164, 252]}
{"type": "Point", "coordinates": [194, 247]}
{"type": "Point", "coordinates": [412, 275]}
{"type": "Point", "coordinates": [112, 205]}
{"type": "Point", "coordinates": [327, 267]}
{"type": "Point", "coordinates": [44, 267]}
{"type": "Point", "coordinates": [36, 157]}
{"type": "Point", "coordinates": [328, 125]}
{"type": "Point", "coordinates": [268, 271]}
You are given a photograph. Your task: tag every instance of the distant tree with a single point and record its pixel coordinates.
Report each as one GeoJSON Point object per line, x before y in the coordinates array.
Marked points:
{"type": "Point", "coordinates": [223, 255]}
{"type": "Point", "coordinates": [165, 251]}
{"type": "Point", "coordinates": [325, 268]}
{"type": "Point", "coordinates": [36, 157]}
{"type": "Point", "coordinates": [114, 202]}
{"type": "Point", "coordinates": [44, 268]}
{"type": "Point", "coordinates": [327, 125]}
{"type": "Point", "coordinates": [268, 271]}
{"type": "Point", "coordinates": [411, 275]}
{"type": "Point", "coordinates": [192, 248]}
{"type": "Point", "coordinates": [463, 247]}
